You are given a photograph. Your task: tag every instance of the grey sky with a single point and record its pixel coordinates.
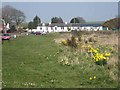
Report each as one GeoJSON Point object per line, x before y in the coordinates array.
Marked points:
{"type": "Point", "coordinates": [90, 11]}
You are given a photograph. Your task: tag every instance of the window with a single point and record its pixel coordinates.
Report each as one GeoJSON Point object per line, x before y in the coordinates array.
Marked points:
{"type": "Point", "coordinates": [62, 27]}
{"type": "Point", "coordinates": [41, 28]}
{"type": "Point", "coordinates": [55, 28]}
{"type": "Point", "coordinates": [51, 28]}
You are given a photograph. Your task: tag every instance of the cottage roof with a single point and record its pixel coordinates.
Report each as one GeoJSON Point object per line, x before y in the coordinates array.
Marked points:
{"type": "Point", "coordinates": [57, 24]}
{"type": "Point", "coordinates": [70, 24]}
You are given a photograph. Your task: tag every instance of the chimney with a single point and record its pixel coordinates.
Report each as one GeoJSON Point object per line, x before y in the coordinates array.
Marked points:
{"type": "Point", "coordinates": [65, 22]}
{"type": "Point", "coordinates": [43, 24]}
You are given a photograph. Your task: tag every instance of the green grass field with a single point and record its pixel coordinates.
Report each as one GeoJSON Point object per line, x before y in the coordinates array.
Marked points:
{"type": "Point", "coordinates": [32, 61]}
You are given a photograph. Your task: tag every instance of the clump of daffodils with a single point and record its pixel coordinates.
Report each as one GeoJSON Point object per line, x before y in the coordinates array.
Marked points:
{"type": "Point", "coordinates": [99, 58]}
{"type": "Point", "coordinates": [64, 42]}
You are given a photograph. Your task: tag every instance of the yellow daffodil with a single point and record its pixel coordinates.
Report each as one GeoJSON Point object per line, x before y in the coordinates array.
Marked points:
{"type": "Point", "coordinates": [104, 58]}
{"type": "Point", "coordinates": [94, 77]}
{"type": "Point", "coordinates": [107, 54]}
{"type": "Point", "coordinates": [95, 51]}
{"type": "Point", "coordinates": [90, 78]}
{"type": "Point", "coordinates": [89, 50]}
{"type": "Point", "coordinates": [64, 42]}
{"type": "Point", "coordinates": [101, 56]}
{"type": "Point", "coordinates": [96, 59]}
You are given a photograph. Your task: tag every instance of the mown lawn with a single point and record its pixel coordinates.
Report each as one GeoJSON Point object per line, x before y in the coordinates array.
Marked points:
{"type": "Point", "coordinates": [32, 61]}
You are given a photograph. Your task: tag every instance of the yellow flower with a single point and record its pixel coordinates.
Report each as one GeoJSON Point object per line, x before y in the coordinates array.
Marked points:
{"type": "Point", "coordinates": [94, 77]}
{"type": "Point", "coordinates": [107, 54]}
{"type": "Point", "coordinates": [97, 54]}
{"type": "Point", "coordinates": [105, 58]}
{"type": "Point", "coordinates": [96, 59]}
{"type": "Point", "coordinates": [101, 56]}
{"type": "Point", "coordinates": [92, 48]}
{"type": "Point", "coordinates": [90, 78]}
{"type": "Point", "coordinates": [90, 51]}
{"type": "Point", "coordinates": [95, 51]}
{"type": "Point", "coordinates": [64, 42]}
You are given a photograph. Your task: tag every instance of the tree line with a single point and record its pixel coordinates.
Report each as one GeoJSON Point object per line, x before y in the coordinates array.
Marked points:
{"type": "Point", "coordinates": [37, 21]}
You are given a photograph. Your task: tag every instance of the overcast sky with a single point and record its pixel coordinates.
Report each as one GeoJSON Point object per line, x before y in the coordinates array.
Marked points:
{"type": "Point", "coordinates": [90, 11]}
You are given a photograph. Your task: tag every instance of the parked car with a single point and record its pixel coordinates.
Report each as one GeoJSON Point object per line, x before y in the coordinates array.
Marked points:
{"type": "Point", "coordinates": [37, 33]}
{"type": "Point", "coordinates": [6, 36]}
{"type": "Point", "coordinates": [32, 32]}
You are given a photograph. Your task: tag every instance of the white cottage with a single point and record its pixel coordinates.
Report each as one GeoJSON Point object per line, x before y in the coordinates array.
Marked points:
{"type": "Point", "coordinates": [56, 27]}
{"type": "Point", "coordinates": [65, 27]}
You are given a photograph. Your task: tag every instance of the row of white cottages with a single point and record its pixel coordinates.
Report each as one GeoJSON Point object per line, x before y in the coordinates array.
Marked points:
{"type": "Point", "coordinates": [62, 27]}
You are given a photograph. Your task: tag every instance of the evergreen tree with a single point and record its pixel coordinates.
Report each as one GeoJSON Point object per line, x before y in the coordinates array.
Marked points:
{"type": "Point", "coordinates": [30, 25]}
{"type": "Point", "coordinates": [56, 20]}
{"type": "Point", "coordinates": [77, 20]}
{"type": "Point", "coordinates": [36, 21]}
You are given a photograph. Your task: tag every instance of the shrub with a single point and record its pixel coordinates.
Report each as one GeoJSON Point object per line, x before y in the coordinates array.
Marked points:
{"type": "Point", "coordinates": [64, 42]}
{"type": "Point", "coordinates": [73, 42]}
{"type": "Point", "coordinates": [80, 39]}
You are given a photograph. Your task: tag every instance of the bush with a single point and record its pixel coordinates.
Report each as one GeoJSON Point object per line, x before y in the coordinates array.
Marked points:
{"type": "Point", "coordinates": [73, 42]}
{"type": "Point", "coordinates": [80, 39]}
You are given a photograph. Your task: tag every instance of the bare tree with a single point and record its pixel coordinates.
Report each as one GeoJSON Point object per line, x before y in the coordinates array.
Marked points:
{"type": "Point", "coordinates": [11, 14]}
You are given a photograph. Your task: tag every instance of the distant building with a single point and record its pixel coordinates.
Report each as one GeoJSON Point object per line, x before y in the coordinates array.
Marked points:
{"type": "Point", "coordinates": [66, 27]}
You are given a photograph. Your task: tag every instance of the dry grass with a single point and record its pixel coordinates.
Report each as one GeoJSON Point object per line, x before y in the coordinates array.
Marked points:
{"type": "Point", "coordinates": [97, 39]}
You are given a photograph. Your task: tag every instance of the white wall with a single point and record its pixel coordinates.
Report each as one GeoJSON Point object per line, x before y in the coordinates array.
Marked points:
{"type": "Point", "coordinates": [100, 28]}
{"type": "Point", "coordinates": [49, 29]}
{"type": "Point", "coordinates": [34, 30]}
{"type": "Point", "coordinates": [65, 29]}
{"type": "Point", "coordinates": [91, 28]}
